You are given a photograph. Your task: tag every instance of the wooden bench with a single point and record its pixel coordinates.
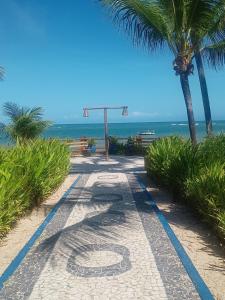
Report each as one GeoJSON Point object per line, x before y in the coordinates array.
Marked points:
{"type": "Point", "coordinates": [78, 147]}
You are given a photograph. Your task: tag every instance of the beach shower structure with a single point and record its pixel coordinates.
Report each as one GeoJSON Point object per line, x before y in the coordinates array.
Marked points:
{"type": "Point", "coordinates": [105, 109]}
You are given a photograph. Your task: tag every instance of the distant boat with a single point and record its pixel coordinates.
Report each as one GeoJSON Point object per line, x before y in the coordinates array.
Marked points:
{"type": "Point", "coordinates": [148, 132]}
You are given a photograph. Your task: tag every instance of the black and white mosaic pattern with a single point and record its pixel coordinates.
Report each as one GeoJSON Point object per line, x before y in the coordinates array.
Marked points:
{"type": "Point", "coordinates": [106, 177]}
{"type": "Point", "coordinates": [24, 278]}
{"type": "Point", "coordinates": [109, 218]}
{"type": "Point", "coordinates": [107, 198]}
{"type": "Point", "coordinates": [122, 266]}
{"type": "Point", "coordinates": [175, 278]}
{"type": "Point", "coordinates": [105, 242]}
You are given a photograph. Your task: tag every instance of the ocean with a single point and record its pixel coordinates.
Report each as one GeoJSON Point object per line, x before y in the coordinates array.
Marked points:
{"type": "Point", "coordinates": [74, 131]}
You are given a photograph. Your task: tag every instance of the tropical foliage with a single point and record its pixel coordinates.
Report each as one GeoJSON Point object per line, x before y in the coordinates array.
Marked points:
{"type": "Point", "coordinates": [25, 123]}
{"type": "Point", "coordinates": [115, 147]}
{"type": "Point", "coordinates": [188, 28]}
{"type": "Point", "coordinates": [195, 175]}
{"type": "Point", "coordinates": [28, 174]}
{"type": "Point", "coordinates": [133, 146]}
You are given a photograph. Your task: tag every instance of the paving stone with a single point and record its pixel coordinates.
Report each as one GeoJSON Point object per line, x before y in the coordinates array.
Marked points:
{"type": "Point", "coordinates": [105, 242]}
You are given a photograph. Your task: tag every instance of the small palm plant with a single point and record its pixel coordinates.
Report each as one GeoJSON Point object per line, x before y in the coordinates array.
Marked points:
{"type": "Point", "coordinates": [25, 123]}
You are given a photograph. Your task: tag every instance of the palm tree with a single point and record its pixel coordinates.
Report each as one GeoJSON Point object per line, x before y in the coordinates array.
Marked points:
{"type": "Point", "coordinates": [26, 124]}
{"type": "Point", "coordinates": [208, 41]}
{"type": "Point", "coordinates": [204, 91]}
{"type": "Point", "coordinates": [182, 25]}
{"type": "Point", "coordinates": [155, 24]}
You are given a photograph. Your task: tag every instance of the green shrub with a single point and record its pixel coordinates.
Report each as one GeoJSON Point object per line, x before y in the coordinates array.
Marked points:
{"type": "Point", "coordinates": [170, 161]}
{"type": "Point", "coordinates": [194, 174]}
{"type": "Point", "coordinates": [206, 190]}
{"type": "Point", "coordinates": [28, 174]}
{"type": "Point", "coordinates": [134, 146]}
{"type": "Point", "coordinates": [212, 149]}
{"type": "Point", "coordinates": [115, 147]}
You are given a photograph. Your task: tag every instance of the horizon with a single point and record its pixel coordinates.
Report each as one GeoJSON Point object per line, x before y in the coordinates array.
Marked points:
{"type": "Point", "coordinates": [101, 123]}
{"type": "Point", "coordinates": [125, 129]}
{"type": "Point", "coordinates": [51, 62]}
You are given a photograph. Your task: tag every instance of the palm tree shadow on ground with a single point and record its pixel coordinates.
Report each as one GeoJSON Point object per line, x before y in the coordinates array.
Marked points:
{"type": "Point", "coordinates": [118, 216]}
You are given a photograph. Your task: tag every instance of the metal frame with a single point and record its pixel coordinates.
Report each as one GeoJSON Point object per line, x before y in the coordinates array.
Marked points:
{"type": "Point", "coordinates": [105, 109]}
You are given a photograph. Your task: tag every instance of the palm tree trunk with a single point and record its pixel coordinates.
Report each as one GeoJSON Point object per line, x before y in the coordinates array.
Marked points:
{"type": "Point", "coordinates": [188, 101]}
{"type": "Point", "coordinates": [205, 95]}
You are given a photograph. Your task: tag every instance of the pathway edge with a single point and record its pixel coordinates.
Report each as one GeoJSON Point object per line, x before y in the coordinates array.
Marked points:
{"type": "Point", "coordinates": [26, 248]}
{"type": "Point", "coordinates": [194, 275]}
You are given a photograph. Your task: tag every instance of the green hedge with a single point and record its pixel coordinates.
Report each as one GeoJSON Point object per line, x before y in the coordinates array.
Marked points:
{"type": "Point", "coordinates": [133, 146]}
{"type": "Point", "coordinates": [28, 174]}
{"type": "Point", "coordinates": [195, 175]}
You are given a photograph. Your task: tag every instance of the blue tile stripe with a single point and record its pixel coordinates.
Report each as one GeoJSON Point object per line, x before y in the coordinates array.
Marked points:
{"type": "Point", "coordinates": [200, 285]}
{"type": "Point", "coordinates": [23, 252]}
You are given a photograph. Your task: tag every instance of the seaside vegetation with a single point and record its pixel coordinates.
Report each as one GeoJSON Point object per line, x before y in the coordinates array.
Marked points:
{"type": "Point", "coordinates": [28, 174]}
{"type": "Point", "coordinates": [30, 168]}
{"type": "Point", "coordinates": [25, 123]}
{"type": "Point", "coordinates": [194, 175]}
{"type": "Point", "coordinates": [190, 29]}
{"type": "Point", "coordinates": [133, 146]}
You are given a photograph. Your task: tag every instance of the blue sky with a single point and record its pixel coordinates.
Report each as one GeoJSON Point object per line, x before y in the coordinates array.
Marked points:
{"type": "Point", "coordinates": [64, 55]}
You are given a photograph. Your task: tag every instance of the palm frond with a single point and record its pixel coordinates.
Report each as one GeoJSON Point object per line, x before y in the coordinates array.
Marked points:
{"type": "Point", "coordinates": [216, 25]}
{"type": "Point", "coordinates": [202, 14]}
{"type": "Point", "coordinates": [184, 25]}
{"type": "Point", "coordinates": [175, 9]}
{"type": "Point", "coordinates": [12, 110]}
{"type": "Point", "coordinates": [206, 20]}
{"type": "Point", "coordinates": [26, 123]}
{"type": "Point", "coordinates": [215, 54]}
{"type": "Point", "coordinates": [2, 128]}
{"type": "Point", "coordinates": [36, 113]}
{"type": "Point", "coordinates": [145, 21]}
{"type": "Point", "coordinates": [27, 128]}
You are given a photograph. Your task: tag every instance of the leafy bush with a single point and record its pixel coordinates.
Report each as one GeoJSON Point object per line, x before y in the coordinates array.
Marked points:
{"type": "Point", "coordinates": [134, 146]}
{"type": "Point", "coordinates": [28, 174]}
{"type": "Point", "coordinates": [206, 190]}
{"type": "Point", "coordinates": [213, 149]}
{"type": "Point", "coordinates": [194, 174]}
{"type": "Point", "coordinates": [115, 147]}
{"type": "Point", "coordinates": [171, 160]}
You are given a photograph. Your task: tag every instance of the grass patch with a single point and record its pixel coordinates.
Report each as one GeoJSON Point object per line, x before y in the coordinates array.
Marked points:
{"type": "Point", "coordinates": [195, 175]}
{"type": "Point", "coordinates": [28, 174]}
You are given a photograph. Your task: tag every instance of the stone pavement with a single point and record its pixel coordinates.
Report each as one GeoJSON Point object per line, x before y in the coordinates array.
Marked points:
{"type": "Point", "coordinates": [105, 242]}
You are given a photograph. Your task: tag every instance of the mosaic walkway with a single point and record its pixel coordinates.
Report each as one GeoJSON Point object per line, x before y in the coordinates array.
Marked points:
{"type": "Point", "coordinates": [105, 241]}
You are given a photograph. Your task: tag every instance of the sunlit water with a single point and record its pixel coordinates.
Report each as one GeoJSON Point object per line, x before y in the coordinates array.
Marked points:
{"type": "Point", "coordinates": [72, 131]}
